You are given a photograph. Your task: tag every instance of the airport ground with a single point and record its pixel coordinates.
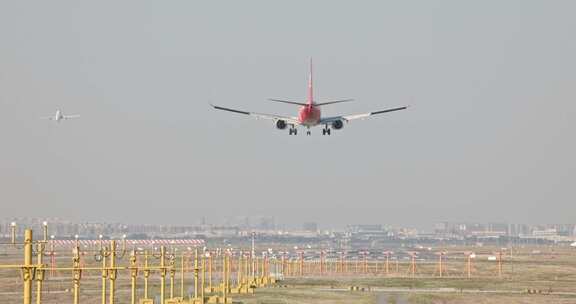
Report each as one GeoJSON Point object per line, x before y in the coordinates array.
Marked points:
{"type": "Point", "coordinates": [535, 274]}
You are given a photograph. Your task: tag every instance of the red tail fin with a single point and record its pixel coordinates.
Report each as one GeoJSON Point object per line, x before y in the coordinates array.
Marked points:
{"type": "Point", "coordinates": [310, 87]}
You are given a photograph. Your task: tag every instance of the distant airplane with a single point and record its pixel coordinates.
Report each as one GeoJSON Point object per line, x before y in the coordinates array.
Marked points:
{"type": "Point", "coordinates": [309, 114]}
{"type": "Point", "coordinates": [60, 116]}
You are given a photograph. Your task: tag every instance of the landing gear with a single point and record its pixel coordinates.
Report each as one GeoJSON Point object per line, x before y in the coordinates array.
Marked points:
{"type": "Point", "coordinates": [326, 131]}
{"type": "Point", "coordinates": [308, 132]}
{"type": "Point", "coordinates": [293, 131]}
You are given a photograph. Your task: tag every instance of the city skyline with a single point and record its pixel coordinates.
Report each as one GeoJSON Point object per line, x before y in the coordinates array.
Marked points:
{"type": "Point", "coordinates": [266, 225]}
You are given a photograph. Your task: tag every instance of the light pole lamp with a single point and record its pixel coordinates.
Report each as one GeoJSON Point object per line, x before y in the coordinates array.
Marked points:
{"type": "Point", "coordinates": [13, 232]}
{"type": "Point", "coordinates": [45, 230]}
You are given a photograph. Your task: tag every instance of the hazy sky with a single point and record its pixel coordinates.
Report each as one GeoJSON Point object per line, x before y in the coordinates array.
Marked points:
{"type": "Point", "coordinates": [490, 135]}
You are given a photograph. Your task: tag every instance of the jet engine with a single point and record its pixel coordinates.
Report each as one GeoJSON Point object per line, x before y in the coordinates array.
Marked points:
{"type": "Point", "coordinates": [281, 124]}
{"type": "Point", "coordinates": [337, 124]}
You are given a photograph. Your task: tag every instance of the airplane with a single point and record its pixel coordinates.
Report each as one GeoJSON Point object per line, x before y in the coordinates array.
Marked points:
{"type": "Point", "coordinates": [60, 116]}
{"type": "Point", "coordinates": [309, 114]}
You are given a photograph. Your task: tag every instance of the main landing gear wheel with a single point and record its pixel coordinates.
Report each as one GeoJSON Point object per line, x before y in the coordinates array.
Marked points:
{"type": "Point", "coordinates": [325, 131]}
{"type": "Point", "coordinates": [293, 131]}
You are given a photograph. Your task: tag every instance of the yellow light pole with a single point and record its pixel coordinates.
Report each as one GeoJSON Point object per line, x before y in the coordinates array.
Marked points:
{"type": "Point", "coordinates": [468, 264]}
{"type": "Point", "coordinates": [203, 287]}
{"type": "Point", "coordinates": [250, 262]}
{"type": "Point", "coordinates": [162, 274]}
{"type": "Point", "coordinates": [341, 262]}
{"type": "Point", "coordinates": [365, 255]}
{"type": "Point", "coordinates": [253, 255]}
{"type": "Point", "coordinates": [247, 269]}
{"type": "Point", "coordinates": [239, 270]}
{"type": "Point", "coordinates": [40, 272]}
{"type": "Point", "coordinates": [113, 272]}
{"type": "Point", "coordinates": [224, 277]}
{"type": "Point", "coordinates": [264, 266]}
{"type": "Point", "coordinates": [210, 271]}
{"type": "Point", "coordinates": [228, 270]}
{"type": "Point", "coordinates": [104, 274]}
{"type": "Point", "coordinates": [146, 274]}
{"type": "Point", "coordinates": [256, 269]}
{"type": "Point", "coordinates": [301, 263]}
{"type": "Point", "coordinates": [77, 274]}
{"type": "Point", "coordinates": [104, 278]}
{"type": "Point", "coordinates": [413, 265]}
{"type": "Point", "coordinates": [182, 276]}
{"type": "Point", "coordinates": [133, 276]}
{"type": "Point", "coordinates": [500, 263]}
{"type": "Point", "coordinates": [321, 262]}
{"type": "Point", "coordinates": [283, 264]}
{"type": "Point", "coordinates": [196, 273]}
{"type": "Point", "coordinates": [387, 262]}
{"type": "Point", "coordinates": [440, 266]}
{"type": "Point", "coordinates": [52, 256]}
{"type": "Point", "coordinates": [172, 263]}
{"type": "Point", "coordinates": [28, 267]}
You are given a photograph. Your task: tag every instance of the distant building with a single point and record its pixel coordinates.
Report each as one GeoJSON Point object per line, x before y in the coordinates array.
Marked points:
{"type": "Point", "coordinates": [266, 223]}
{"type": "Point", "coordinates": [498, 228]}
{"type": "Point", "coordinates": [364, 228]}
{"type": "Point", "coordinates": [545, 232]}
{"type": "Point", "coordinates": [366, 232]}
{"type": "Point", "coordinates": [441, 228]}
{"type": "Point", "coordinates": [310, 226]}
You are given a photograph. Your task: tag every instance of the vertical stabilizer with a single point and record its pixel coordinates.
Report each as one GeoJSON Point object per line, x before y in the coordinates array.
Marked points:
{"type": "Point", "coordinates": [310, 87]}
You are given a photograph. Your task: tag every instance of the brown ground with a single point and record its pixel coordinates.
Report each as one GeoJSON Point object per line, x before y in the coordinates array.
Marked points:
{"type": "Point", "coordinates": [540, 268]}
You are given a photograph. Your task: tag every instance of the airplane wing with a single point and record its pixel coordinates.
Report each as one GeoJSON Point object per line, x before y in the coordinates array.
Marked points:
{"type": "Point", "coordinates": [71, 116]}
{"type": "Point", "coordinates": [348, 118]}
{"type": "Point", "coordinates": [47, 117]}
{"type": "Point", "coordinates": [290, 120]}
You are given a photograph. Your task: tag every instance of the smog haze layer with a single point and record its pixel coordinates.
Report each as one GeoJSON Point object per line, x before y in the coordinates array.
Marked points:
{"type": "Point", "coordinates": [489, 135]}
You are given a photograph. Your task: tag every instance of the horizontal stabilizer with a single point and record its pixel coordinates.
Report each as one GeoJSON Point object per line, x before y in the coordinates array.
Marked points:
{"type": "Point", "coordinates": [288, 101]}
{"type": "Point", "coordinates": [316, 104]}
{"type": "Point", "coordinates": [334, 101]}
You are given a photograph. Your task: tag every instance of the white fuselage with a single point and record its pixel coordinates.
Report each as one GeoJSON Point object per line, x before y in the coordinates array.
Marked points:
{"type": "Point", "coordinates": [58, 116]}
